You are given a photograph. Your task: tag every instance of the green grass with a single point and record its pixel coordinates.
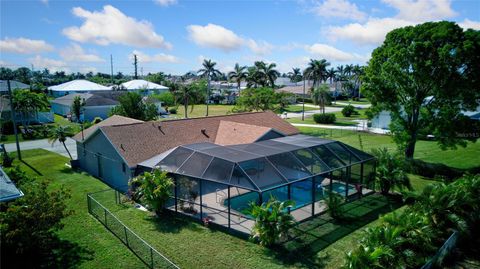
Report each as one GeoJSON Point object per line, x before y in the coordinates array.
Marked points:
{"type": "Point", "coordinates": [340, 119]}
{"type": "Point", "coordinates": [200, 111]}
{"type": "Point", "coordinates": [11, 139]}
{"type": "Point", "coordinates": [429, 151]}
{"type": "Point", "coordinates": [59, 120]}
{"type": "Point", "coordinates": [80, 228]}
{"type": "Point", "coordinates": [298, 108]}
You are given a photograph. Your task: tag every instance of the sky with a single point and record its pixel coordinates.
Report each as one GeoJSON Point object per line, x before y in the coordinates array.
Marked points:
{"type": "Point", "coordinates": [175, 36]}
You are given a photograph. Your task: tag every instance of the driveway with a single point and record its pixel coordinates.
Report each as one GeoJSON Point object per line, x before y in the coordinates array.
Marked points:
{"type": "Point", "coordinates": [44, 144]}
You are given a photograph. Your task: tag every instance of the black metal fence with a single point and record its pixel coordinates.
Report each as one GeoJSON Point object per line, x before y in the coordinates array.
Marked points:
{"type": "Point", "coordinates": [146, 253]}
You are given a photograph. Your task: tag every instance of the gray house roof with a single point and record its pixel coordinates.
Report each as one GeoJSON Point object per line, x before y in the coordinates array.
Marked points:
{"type": "Point", "coordinates": [8, 190]}
{"type": "Point", "coordinates": [90, 100]}
{"type": "Point", "coordinates": [13, 85]}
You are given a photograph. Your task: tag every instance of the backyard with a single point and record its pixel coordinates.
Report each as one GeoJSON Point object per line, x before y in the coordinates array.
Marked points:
{"type": "Point", "coordinates": [189, 244]}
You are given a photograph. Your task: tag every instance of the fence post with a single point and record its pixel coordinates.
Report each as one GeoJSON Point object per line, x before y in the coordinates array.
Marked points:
{"type": "Point", "coordinates": [105, 211]}
{"type": "Point", "coordinates": [151, 256]}
{"type": "Point", "coordinates": [126, 235]}
{"type": "Point", "coordinates": [88, 204]}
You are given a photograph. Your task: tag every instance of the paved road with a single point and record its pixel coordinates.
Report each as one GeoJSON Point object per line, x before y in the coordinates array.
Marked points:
{"type": "Point", "coordinates": [44, 144]}
{"type": "Point", "coordinates": [310, 113]}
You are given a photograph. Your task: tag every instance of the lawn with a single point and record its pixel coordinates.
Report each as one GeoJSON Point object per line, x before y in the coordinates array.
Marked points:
{"type": "Point", "coordinates": [429, 151]}
{"type": "Point", "coordinates": [200, 111]}
{"type": "Point", "coordinates": [341, 120]}
{"type": "Point", "coordinates": [80, 228]}
{"type": "Point", "coordinates": [185, 242]}
{"type": "Point", "coordinates": [299, 108]}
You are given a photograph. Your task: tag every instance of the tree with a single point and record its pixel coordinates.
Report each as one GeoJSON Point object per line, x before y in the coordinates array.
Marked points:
{"type": "Point", "coordinates": [60, 134]}
{"type": "Point", "coordinates": [132, 106]}
{"type": "Point", "coordinates": [271, 73]}
{"type": "Point", "coordinates": [272, 221]}
{"type": "Point", "coordinates": [331, 74]}
{"type": "Point", "coordinates": [77, 105]}
{"type": "Point", "coordinates": [187, 95]}
{"type": "Point", "coordinates": [390, 171]}
{"type": "Point", "coordinates": [295, 75]}
{"type": "Point", "coordinates": [431, 69]}
{"type": "Point", "coordinates": [154, 189]}
{"type": "Point", "coordinates": [321, 96]}
{"type": "Point", "coordinates": [28, 103]}
{"type": "Point", "coordinates": [29, 226]}
{"type": "Point", "coordinates": [208, 71]}
{"type": "Point", "coordinates": [238, 74]}
{"type": "Point", "coordinates": [317, 71]}
{"type": "Point", "coordinates": [255, 99]}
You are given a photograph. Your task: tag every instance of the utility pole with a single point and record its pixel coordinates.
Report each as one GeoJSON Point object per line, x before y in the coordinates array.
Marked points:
{"type": "Point", "coordinates": [135, 62]}
{"type": "Point", "coordinates": [303, 99]}
{"type": "Point", "coordinates": [12, 110]}
{"type": "Point", "coordinates": [111, 68]}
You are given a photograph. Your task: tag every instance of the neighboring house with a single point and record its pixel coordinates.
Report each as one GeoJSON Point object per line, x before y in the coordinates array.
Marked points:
{"type": "Point", "coordinates": [299, 91]}
{"type": "Point", "coordinates": [8, 190]}
{"type": "Point", "coordinates": [95, 105]}
{"type": "Point", "coordinates": [77, 86]}
{"type": "Point", "coordinates": [113, 152]}
{"type": "Point", "coordinates": [156, 102]}
{"type": "Point", "coordinates": [33, 118]}
{"type": "Point", "coordinates": [14, 85]}
{"type": "Point", "coordinates": [143, 87]}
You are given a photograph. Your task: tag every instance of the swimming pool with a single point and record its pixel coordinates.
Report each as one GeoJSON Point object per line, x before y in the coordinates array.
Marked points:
{"type": "Point", "coordinates": [300, 193]}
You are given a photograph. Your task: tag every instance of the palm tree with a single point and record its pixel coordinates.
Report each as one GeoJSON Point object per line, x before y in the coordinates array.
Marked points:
{"type": "Point", "coordinates": [358, 72]}
{"type": "Point", "coordinates": [209, 71]}
{"type": "Point", "coordinates": [390, 171]}
{"type": "Point", "coordinates": [348, 70]}
{"type": "Point", "coordinates": [331, 74]}
{"type": "Point", "coordinates": [316, 71]}
{"type": "Point", "coordinates": [238, 74]}
{"type": "Point", "coordinates": [271, 73]}
{"type": "Point", "coordinates": [321, 96]}
{"type": "Point", "coordinates": [295, 75]}
{"type": "Point", "coordinates": [187, 95]}
{"type": "Point", "coordinates": [60, 134]}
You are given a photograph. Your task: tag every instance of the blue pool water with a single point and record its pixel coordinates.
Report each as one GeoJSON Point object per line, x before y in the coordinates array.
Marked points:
{"type": "Point", "coordinates": [301, 194]}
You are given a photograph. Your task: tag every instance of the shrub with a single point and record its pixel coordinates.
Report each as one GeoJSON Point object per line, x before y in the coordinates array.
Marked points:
{"type": "Point", "coordinates": [6, 160]}
{"type": "Point", "coordinates": [96, 120]}
{"type": "Point", "coordinates": [173, 110]}
{"type": "Point", "coordinates": [391, 170]}
{"type": "Point", "coordinates": [154, 189]}
{"type": "Point", "coordinates": [272, 221]}
{"type": "Point", "coordinates": [349, 110]}
{"type": "Point", "coordinates": [327, 118]}
{"type": "Point", "coordinates": [334, 204]}
{"type": "Point", "coordinates": [7, 127]}
{"type": "Point", "coordinates": [167, 98]}
{"type": "Point", "coordinates": [432, 170]}
{"type": "Point", "coordinates": [18, 176]}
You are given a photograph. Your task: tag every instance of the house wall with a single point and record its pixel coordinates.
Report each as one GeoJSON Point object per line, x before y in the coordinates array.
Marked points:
{"type": "Point", "coordinates": [60, 109]}
{"type": "Point", "coordinates": [33, 118]}
{"type": "Point", "coordinates": [96, 111]}
{"type": "Point", "coordinates": [98, 157]}
{"type": "Point", "coordinates": [382, 120]}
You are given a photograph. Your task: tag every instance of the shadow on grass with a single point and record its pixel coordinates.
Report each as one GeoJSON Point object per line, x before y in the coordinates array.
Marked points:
{"type": "Point", "coordinates": [310, 237]}
{"type": "Point", "coordinates": [51, 253]}
{"type": "Point", "coordinates": [31, 167]}
{"type": "Point", "coordinates": [168, 222]}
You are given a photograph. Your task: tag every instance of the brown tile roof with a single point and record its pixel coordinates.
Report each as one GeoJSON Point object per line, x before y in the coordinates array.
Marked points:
{"type": "Point", "coordinates": [111, 121]}
{"type": "Point", "coordinates": [139, 142]}
{"type": "Point", "coordinates": [231, 133]}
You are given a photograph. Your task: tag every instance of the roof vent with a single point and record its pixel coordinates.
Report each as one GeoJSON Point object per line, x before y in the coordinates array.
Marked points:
{"type": "Point", "coordinates": [204, 132]}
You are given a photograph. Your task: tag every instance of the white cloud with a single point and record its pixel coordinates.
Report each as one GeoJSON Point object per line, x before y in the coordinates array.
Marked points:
{"type": "Point", "coordinates": [372, 32]}
{"type": "Point", "coordinates": [111, 26]}
{"type": "Point", "coordinates": [260, 48]}
{"type": "Point", "coordinates": [422, 10]}
{"type": "Point", "coordinates": [75, 53]}
{"type": "Point", "coordinates": [331, 54]}
{"type": "Point", "coordinates": [24, 45]}
{"type": "Point", "coordinates": [165, 3]}
{"type": "Point", "coordinates": [160, 57]}
{"type": "Point", "coordinates": [214, 36]}
{"type": "Point", "coordinates": [339, 9]}
{"type": "Point", "coordinates": [53, 65]}
{"type": "Point", "coordinates": [466, 24]}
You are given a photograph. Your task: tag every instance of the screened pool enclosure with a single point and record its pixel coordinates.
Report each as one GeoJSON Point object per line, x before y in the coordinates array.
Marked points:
{"type": "Point", "coordinates": [218, 183]}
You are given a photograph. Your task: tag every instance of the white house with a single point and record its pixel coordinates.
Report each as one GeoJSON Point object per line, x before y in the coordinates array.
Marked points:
{"type": "Point", "coordinates": [144, 87]}
{"type": "Point", "coordinates": [77, 86]}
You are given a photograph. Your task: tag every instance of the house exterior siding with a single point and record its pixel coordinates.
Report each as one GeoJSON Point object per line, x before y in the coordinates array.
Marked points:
{"type": "Point", "coordinates": [97, 157]}
{"type": "Point", "coordinates": [91, 112]}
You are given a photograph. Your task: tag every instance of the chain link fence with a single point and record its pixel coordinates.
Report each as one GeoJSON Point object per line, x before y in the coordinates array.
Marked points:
{"type": "Point", "coordinates": [146, 253]}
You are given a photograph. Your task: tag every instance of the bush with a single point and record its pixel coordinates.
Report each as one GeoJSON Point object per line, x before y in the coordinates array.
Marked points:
{"type": "Point", "coordinates": [349, 111]}
{"type": "Point", "coordinates": [153, 189]}
{"type": "Point", "coordinates": [173, 110]}
{"type": "Point", "coordinates": [334, 204]}
{"type": "Point", "coordinates": [7, 127]}
{"type": "Point", "coordinates": [6, 160]}
{"type": "Point", "coordinates": [327, 118]}
{"type": "Point", "coordinates": [96, 120]}
{"type": "Point", "coordinates": [167, 98]}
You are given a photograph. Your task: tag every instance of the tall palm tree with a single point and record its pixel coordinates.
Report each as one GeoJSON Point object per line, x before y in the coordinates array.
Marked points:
{"type": "Point", "coordinates": [209, 71]}
{"type": "Point", "coordinates": [271, 73]}
{"type": "Point", "coordinates": [238, 74]}
{"type": "Point", "coordinates": [316, 71]}
{"type": "Point", "coordinates": [349, 70]}
{"type": "Point", "coordinates": [295, 75]}
{"type": "Point", "coordinates": [187, 95]}
{"type": "Point", "coordinates": [60, 134]}
{"type": "Point", "coordinates": [357, 73]}
{"type": "Point", "coordinates": [331, 74]}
